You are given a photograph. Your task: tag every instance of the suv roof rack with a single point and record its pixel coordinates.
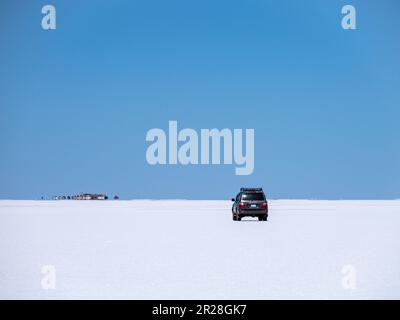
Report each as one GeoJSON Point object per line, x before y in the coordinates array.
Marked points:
{"type": "Point", "coordinates": [251, 189]}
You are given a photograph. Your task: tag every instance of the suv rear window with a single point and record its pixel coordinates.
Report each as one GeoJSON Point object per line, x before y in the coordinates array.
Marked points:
{"type": "Point", "coordinates": [253, 196]}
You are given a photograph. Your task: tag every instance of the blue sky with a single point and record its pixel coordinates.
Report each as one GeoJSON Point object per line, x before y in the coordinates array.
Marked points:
{"type": "Point", "coordinates": [76, 102]}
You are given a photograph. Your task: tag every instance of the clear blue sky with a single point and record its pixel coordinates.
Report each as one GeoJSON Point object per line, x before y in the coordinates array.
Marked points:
{"type": "Point", "coordinates": [76, 102]}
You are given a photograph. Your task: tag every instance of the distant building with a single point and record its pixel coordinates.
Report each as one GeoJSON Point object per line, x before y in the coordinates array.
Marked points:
{"type": "Point", "coordinates": [83, 196]}
{"type": "Point", "coordinates": [92, 196]}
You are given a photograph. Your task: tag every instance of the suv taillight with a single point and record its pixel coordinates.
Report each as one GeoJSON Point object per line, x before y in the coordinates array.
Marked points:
{"type": "Point", "coordinates": [241, 205]}
{"type": "Point", "coordinates": [265, 205]}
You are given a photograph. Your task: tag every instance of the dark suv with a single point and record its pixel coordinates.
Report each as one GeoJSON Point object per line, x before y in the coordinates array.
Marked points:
{"type": "Point", "coordinates": [250, 202]}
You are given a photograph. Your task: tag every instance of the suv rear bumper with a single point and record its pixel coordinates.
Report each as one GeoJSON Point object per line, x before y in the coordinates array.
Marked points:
{"type": "Point", "coordinates": [252, 213]}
